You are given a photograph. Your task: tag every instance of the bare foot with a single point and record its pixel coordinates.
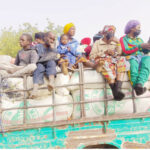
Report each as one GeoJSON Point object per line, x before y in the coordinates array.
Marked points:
{"type": "Point", "coordinates": [50, 87]}
{"type": "Point", "coordinates": [13, 70]}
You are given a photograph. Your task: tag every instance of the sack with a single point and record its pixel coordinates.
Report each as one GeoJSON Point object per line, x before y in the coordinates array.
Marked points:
{"type": "Point", "coordinates": [95, 109]}
{"type": "Point", "coordinates": [5, 59]}
{"type": "Point", "coordinates": [89, 76]}
{"type": "Point", "coordinates": [62, 79]}
{"type": "Point", "coordinates": [39, 114]}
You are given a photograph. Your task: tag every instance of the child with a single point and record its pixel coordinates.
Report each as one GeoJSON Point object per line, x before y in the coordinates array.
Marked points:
{"type": "Point", "coordinates": [39, 38]}
{"type": "Point", "coordinates": [68, 54]}
{"type": "Point", "coordinates": [26, 58]}
{"type": "Point", "coordinates": [87, 47]}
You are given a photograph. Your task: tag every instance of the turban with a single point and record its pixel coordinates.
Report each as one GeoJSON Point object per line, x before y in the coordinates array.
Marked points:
{"type": "Point", "coordinates": [86, 41]}
{"type": "Point", "coordinates": [131, 24]}
{"type": "Point", "coordinates": [108, 28]}
{"type": "Point", "coordinates": [67, 27]}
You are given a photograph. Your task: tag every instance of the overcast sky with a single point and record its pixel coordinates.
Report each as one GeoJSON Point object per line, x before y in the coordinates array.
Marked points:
{"type": "Point", "coordinates": [89, 16]}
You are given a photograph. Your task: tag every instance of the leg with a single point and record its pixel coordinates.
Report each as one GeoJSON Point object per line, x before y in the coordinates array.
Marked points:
{"type": "Point", "coordinates": [121, 68]}
{"type": "Point", "coordinates": [134, 71]}
{"type": "Point", "coordinates": [81, 60]}
{"type": "Point", "coordinates": [51, 72]}
{"type": "Point", "coordinates": [144, 70]}
{"type": "Point", "coordinates": [89, 64]}
{"type": "Point", "coordinates": [38, 76]}
{"type": "Point", "coordinates": [109, 73]}
{"type": "Point", "coordinates": [110, 76]}
{"type": "Point", "coordinates": [143, 75]}
{"type": "Point", "coordinates": [10, 68]}
{"type": "Point", "coordinates": [25, 70]}
{"type": "Point", "coordinates": [64, 64]}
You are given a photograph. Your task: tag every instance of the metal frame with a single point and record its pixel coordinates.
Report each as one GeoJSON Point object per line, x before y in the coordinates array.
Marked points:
{"type": "Point", "coordinates": [104, 118]}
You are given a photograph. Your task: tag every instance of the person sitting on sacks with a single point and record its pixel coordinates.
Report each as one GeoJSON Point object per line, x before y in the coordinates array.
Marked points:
{"type": "Point", "coordinates": [39, 37]}
{"type": "Point", "coordinates": [85, 47]}
{"type": "Point", "coordinates": [70, 56]}
{"type": "Point", "coordinates": [26, 59]}
{"type": "Point", "coordinates": [133, 48]}
{"type": "Point", "coordinates": [46, 63]}
{"type": "Point", "coordinates": [97, 36]}
{"type": "Point", "coordinates": [107, 55]}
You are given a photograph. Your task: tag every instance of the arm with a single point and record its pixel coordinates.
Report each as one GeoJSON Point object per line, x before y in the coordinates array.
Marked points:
{"type": "Point", "coordinates": [61, 51]}
{"type": "Point", "coordinates": [34, 57]}
{"type": "Point", "coordinates": [73, 48]}
{"type": "Point", "coordinates": [118, 45]}
{"type": "Point", "coordinates": [119, 49]}
{"type": "Point", "coordinates": [49, 56]}
{"type": "Point", "coordinates": [17, 61]}
{"type": "Point", "coordinates": [94, 51]}
{"type": "Point", "coordinates": [74, 51]}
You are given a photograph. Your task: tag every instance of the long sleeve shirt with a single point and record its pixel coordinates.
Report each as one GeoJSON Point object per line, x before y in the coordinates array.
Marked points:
{"type": "Point", "coordinates": [69, 54]}
{"type": "Point", "coordinates": [63, 49]}
{"type": "Point", "coordinates": [25, 57]}
{"type": "Point", "coordinates": [131, 46]}
{"type": "Point", "coordinates": [46, 54]}
{"type": "Point", "coordinates": [100, 47]}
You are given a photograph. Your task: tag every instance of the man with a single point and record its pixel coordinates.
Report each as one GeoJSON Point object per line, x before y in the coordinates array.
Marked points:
{"type": "Point", "coordinates": [46, 64]}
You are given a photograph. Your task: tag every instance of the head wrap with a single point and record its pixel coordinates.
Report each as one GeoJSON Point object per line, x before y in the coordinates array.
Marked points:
{"type": "Point", "coordinates": [97, 36]}
{"type": "Point", "coordinates": [108, 28]}
{"type": "Point", "coordinates": [86, 41]}
{"type": "Point", "coordinates": [131, 24]}
{"type": "Point", "coordinates": [67, 27]}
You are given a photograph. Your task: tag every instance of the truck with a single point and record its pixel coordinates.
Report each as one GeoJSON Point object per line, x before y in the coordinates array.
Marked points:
{"type": "Point", "coordinates": [116, 124]}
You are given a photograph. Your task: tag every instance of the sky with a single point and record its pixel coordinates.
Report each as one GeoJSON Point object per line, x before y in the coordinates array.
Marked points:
{"type": "Point", "coordinates": [89, 16]}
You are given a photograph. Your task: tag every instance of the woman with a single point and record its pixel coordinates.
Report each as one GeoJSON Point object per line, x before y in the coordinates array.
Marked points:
{"type": "Point", "coordinates": [76, 57]}
{"type": "Point", "coordinates": [106, 53]}
{"type": "Point", "coordinates": [134, 48]}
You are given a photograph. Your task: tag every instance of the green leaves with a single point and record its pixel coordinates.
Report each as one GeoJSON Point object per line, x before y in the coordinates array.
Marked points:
{"type": "Point", "coordinates": [9, 37]}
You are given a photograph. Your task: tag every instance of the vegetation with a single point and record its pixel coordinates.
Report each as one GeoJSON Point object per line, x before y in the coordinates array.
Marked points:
{"type": "Point", "coordinates": [9, 37]}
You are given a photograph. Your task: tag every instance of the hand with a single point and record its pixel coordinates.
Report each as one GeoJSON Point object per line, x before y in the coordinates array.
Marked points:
{"type": "Point", "coordinates": [97, 61]}
{"type": "Point", "coordinates": [145, 46]}
{"type": "Point", "coordinates": [58, 56]}
{"type": "Point", "coordinates": [12, 61]}
{"type": "Point", "coordinates": [110, 52]}
{"type": "Point", "coordinates": [69, 49]}
{"type": "Point", "coordinates": [52, 45]}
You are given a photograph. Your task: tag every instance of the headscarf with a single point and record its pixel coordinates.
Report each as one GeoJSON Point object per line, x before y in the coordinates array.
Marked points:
{"type": "Point", "coordinates": [67, 27]}
{"type": "Point", "coordinates": [97, 36]}
{"type": "Point", "coordinates": [131, 24]}
{"type": "Point", "coordinates": [86, 41]}
{"type": "Point", "coordinates": [108, 28]}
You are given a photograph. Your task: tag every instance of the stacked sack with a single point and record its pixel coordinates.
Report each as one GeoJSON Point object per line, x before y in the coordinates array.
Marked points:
{"type": "Point", "coordinates": [68, 94]}
{"type": "Point", "coordinates": [39, 114]}
{"type": "Point", "coordinates": [95, 92]}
